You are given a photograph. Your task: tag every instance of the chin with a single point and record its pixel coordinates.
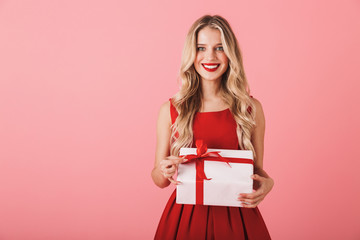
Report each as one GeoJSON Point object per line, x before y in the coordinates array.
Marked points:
{"type": "Point", "coordinates": [211, 79]}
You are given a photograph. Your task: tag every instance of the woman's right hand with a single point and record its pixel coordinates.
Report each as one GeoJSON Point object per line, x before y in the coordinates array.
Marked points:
{"type": "Point", "coordinates": [169, 166]}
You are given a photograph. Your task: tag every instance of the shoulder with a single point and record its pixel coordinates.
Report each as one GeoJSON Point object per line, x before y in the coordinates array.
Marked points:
{"type": "Point", "coordinates": [165, 109]}
{"type": "Point", "coordinates": [164, 116]}
{"type": "Point", "coordinates": [165, 106]}
{"type": "Point", "coordinates": [256, 102]}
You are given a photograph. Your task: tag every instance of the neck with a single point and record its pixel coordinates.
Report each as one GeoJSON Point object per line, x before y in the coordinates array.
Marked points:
{"type": "Point", "coordinates": [210, 89]}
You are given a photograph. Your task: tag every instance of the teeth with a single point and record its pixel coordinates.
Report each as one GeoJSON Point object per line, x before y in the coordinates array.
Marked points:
{"type": "Point", "coordinates": [211, 66]}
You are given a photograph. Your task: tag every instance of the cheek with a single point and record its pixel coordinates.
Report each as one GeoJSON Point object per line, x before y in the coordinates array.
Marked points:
{"type": "Point", "coordinates": [198, 60]}
{"type": "Point", "coordinates": [198, 57]}
{"type": "Point", "coordinates": [197, 64]}
{"type": "Point", "coordinates": [224, 58]}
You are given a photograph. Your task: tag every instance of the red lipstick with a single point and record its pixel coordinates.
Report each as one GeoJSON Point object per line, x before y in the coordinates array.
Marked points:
{"type": "Point", "coordinates": [210, 67]}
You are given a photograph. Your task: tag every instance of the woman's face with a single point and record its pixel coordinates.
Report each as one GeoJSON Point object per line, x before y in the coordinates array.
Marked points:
{"type": "Point", "coordinates": [210, 61]}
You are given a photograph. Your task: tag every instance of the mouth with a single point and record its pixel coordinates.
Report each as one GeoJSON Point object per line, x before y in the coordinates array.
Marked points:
{"type": "Point", "coordinates": [210, 67]}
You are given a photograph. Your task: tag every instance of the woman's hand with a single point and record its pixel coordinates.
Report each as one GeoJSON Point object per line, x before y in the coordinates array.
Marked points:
{"type": "Point", "coordinates": [169, 166]}
{"type": "Point", "coordinates": [263, 187]}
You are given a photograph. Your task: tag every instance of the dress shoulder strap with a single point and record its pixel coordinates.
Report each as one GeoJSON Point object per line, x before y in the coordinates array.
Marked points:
{"type": "Point", "coordinates": [173, 112]}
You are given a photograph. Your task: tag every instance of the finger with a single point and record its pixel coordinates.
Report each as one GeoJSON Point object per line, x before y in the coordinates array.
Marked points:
{"type": "Point", "coordinates": [174, 181]}
{"type": "Point", "coordinates": [170, 172]}
{"type": "Point", "coordinates": [168, 163]}
{"type": "Point", "coordinates": [182, 161]}
{"type": "Point", "coordinates": [165, 168]}
{"type": "Point", "coordinates": [247, 205]}
{"type": "Point", "coordinates": [177, 160]}
{"type": "Point", "coordinates": [170, 168]}
{"type": "Point", "coordinates": [252, 195]}
{"type": "Point", "coordinates": [257, 177]}
{"type": "Point", "coordinates": [174, 162]}
{"type": "Point", "coordinates": [251, 201]}
{"type": "Point", "coordinates": [165, 163]}
{"type": "Point", "coordinates": [175, 157]}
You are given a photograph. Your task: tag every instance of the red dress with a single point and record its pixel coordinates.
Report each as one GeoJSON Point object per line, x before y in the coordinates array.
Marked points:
{"type": "Point", "coordinates": [187, 222]}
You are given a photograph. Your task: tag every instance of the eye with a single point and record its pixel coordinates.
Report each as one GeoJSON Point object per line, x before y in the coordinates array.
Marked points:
{"type": "Point", "coordinates": [200, 48]}
{"type": "Point", "coordinates": [220, 48]}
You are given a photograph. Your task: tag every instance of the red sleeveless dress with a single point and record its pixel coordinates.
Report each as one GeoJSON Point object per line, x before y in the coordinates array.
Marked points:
{"type": "Point", "coordinates": [200, 222]}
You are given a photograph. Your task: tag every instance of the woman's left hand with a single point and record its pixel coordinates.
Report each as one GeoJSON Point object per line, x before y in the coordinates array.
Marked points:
{"type": "Point", "coordinates": [251, 200]}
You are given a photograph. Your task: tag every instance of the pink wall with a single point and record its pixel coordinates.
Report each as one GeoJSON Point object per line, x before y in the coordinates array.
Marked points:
{"type": "Point", "coordinates": [80, 89]}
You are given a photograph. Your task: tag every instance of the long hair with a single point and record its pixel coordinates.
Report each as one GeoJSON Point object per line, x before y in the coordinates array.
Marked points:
{"type": "Point", "coordinates": [234, 88]}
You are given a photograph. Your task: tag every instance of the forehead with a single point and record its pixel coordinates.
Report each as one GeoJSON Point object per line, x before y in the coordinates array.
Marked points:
{"type": "Point", "coordinates": [208, 35]}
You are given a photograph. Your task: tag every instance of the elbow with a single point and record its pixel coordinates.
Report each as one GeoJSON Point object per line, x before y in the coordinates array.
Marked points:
{"type": "Point", "coordinates": [163, 185]}
{"type": "Point", "coordinates": [159, 180]}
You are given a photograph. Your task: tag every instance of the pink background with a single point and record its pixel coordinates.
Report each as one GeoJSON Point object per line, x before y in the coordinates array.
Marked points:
{"type": "Point", "coordinates": [81, 84]}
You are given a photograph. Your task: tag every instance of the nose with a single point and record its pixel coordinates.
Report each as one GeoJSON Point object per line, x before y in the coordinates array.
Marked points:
{"type": "Point", "coordinates": [210, 54]}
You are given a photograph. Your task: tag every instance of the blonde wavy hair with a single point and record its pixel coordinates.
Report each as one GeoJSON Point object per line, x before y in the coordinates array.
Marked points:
{"type": "Point", "coordinates": [234, 89]}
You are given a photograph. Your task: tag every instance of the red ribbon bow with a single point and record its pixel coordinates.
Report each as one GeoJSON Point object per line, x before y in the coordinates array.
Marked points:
{"type": "Point", "coordinates": [200, 156]}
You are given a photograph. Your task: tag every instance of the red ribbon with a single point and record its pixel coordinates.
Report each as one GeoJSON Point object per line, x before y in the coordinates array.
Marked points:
{"type": "Point", "coordinates": [199, 158]}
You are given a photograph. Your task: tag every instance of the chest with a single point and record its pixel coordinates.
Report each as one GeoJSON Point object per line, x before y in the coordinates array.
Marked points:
{"type": "Point", "coordinates": [217, 129]}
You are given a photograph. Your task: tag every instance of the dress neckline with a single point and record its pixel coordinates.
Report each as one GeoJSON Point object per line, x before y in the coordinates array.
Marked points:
{"type": "Point", "coordinates": [216, 111]}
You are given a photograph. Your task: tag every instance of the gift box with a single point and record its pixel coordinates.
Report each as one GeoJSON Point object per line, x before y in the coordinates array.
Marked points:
{"type": "Point", "coordinates": [214, 176]}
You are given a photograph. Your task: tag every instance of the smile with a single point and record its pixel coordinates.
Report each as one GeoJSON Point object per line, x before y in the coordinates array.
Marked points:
{"type": "Point", "coordinates": [211, 67]}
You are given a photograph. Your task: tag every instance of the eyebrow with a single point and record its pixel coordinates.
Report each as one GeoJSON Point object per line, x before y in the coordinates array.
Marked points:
{"type": "Point", "coordinates": [205, 44]}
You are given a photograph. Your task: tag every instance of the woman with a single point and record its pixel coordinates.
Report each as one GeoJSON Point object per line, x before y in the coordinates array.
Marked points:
{"type": "Point", "coordinates": [214, 105]}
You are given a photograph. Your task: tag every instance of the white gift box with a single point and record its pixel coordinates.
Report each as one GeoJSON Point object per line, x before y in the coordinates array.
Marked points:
{"type": "Point", "coordinates": [225, 184]}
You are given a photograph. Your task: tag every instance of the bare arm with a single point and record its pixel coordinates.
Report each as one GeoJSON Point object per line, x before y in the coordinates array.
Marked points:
{"type": "Point", "coordinates": [263, 182]}
{"type": "Point", "coordinates": [257, 139]}
{"type": "Point", "coordinates": [165, 166]}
